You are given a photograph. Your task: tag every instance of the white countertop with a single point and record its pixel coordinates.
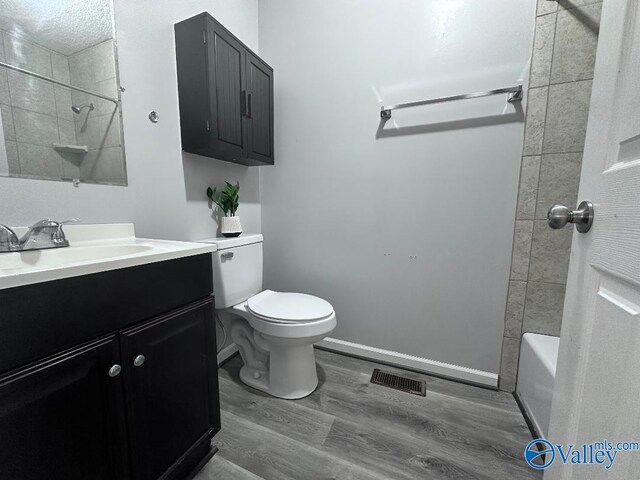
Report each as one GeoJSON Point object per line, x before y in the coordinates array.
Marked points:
{"type": "Point", "coordinates": [92, 249]}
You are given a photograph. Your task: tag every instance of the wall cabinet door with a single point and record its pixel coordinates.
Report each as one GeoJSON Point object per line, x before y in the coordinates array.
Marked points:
{"type": "Point", "coordinates": [259, 110]}
{"type": "Point", "coordinates": [171, 382]}
{"type": "Point", "coordinates": [63, 418]}
{"type": "Point", "coordinates": [227, 93]}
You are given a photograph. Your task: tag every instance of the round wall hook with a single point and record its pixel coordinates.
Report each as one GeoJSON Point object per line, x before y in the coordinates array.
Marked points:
{"type": "Point", "coordinates": [153, 116]}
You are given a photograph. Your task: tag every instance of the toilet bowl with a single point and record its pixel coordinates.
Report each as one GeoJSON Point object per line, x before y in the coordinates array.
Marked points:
{"type": "Point", "coordinates": [277, 348]}
{"type": "Point", "coordinates": [274, 331]}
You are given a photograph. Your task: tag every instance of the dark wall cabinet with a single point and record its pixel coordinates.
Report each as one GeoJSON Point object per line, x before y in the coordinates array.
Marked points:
{"type": "Point", "coordinates": [140, 403]}
{"type": "Point", "coordinates": [225, 92]}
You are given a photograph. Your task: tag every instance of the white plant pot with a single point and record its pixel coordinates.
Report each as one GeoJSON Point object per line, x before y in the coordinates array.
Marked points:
{"type": "Point", "coordinates": [231, 227]}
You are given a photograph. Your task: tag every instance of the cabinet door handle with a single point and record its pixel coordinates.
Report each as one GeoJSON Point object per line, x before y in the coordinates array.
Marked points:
{"type": "Point", "coordinates": [115, 370]}
{"type": "Point", "coordinates": [138, 361]}
{"type": "Point", "coordinates": [249, 105]}
{"type": "Point", "coordinates": [243, 103]}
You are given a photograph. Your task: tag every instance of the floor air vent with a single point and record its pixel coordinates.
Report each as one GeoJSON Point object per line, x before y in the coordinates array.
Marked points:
{"type": "Point", "coordinates": [404, 384]}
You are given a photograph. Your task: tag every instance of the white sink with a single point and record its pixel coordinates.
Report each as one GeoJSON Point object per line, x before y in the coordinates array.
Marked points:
{"type": "Point", "coordinates": [92, 249]}
{"type": "Point", "coordinates": [65, 256]}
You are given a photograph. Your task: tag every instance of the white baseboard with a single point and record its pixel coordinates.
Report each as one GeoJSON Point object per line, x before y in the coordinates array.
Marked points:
{"type": "Point", "coordinates": [226, 352]}
{"type": "Point", "coordinates": [409, 361]}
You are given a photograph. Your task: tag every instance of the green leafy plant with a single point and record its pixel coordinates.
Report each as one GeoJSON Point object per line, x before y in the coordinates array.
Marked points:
{"type": "Point", "coordinates": [227, 198]}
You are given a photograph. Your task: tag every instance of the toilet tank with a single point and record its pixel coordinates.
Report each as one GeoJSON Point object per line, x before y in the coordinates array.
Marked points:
{"type": "Point", "coordinates": [237, 269]}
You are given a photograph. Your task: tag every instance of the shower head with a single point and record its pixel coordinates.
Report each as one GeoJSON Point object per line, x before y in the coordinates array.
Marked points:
{"type": "Point", "coordinates": [78, 108]}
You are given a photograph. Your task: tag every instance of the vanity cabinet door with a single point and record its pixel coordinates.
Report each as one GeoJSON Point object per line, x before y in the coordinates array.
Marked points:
{"type": "Point", "coordinates": [63, 418]}
{"type": "Point", "coordinates": [259, 110]}
{"type": "Point", "coordinates": [171, 381]}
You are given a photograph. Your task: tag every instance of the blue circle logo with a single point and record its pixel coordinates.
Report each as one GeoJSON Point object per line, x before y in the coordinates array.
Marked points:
{"type": "Point", "coordinates": [532, 452]}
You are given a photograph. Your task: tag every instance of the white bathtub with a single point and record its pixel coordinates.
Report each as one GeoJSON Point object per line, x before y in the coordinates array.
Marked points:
{"type": "Point", "coordinates": [536, 377]}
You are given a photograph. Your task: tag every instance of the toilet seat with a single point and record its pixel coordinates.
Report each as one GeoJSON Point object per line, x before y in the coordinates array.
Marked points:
{"type": "Point", "coordinates": [288, 308]}
{"type": "Point", "coordinates": [305, 316]}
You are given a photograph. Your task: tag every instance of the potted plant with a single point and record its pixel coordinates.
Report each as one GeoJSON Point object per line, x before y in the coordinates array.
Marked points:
{"type": "Point", "coordinates": [227, 199]}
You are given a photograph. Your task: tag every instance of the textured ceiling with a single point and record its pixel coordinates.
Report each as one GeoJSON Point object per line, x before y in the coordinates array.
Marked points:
{"type": "Point", "coordinates": [66, 26]}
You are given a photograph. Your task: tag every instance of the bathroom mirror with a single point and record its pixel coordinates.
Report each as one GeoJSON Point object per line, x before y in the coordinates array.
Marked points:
{"type": "Point", "coordinates": [59, 92]}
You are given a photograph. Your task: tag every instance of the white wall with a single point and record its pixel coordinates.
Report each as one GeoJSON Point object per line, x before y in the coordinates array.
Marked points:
{"type": "Point", "coordinates": [165, 197]}
{"type": "Point", "coordinates": [351, 201]}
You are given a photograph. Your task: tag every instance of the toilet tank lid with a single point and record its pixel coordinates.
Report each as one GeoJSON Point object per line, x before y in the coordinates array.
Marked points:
{"type": "Point", "coordinates": [223, 243]}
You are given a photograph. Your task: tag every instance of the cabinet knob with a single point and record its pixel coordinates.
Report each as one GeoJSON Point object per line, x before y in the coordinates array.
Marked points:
{"type": "Point", "coordinates": [115, 370]}
{"type": "Point", "coordinates": [139, 360]}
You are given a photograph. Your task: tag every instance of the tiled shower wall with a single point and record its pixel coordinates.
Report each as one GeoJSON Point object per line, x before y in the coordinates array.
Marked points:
{"type": "Point", "coordinates": [562, 66]}
{"type": "Point", "coordinates": [35, 114]}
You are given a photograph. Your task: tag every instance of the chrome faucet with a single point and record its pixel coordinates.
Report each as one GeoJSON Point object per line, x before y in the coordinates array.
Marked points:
{"type": "Point", "coordinates": [8, 240]}
{"type": "Point", "coordinates": [41, 235]}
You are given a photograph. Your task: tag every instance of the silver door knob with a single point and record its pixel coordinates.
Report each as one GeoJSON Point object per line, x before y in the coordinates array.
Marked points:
{"type": "Point", "coordinates": [559, 216]}
{"type": "Point", "coordinates": [115, 370]}
{"type": "Point", "coordinates": [139, 360]}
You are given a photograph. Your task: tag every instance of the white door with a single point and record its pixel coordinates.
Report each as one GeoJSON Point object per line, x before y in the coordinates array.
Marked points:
{"type": "Point", "coordinates": [597, 394]}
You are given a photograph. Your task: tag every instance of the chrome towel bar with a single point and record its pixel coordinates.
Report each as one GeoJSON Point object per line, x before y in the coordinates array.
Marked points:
{"type": "Point", "coordinates": [515, 96]}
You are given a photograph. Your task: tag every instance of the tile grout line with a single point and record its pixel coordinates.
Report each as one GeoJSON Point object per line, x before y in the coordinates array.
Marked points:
{"type": "Point", "coordinates": [563, 153]}
{"type": "Point", "coordinates": [538, 87]}
{"type": "Point", "coordinates": [55, 102]}
{"type": "Point", "coordinates": [574, 7]}
{"type": "Point", "coordinates": [526, 281]}
{"type": "Point", "coordinates": [510, 279]}
{"type": "Point", "coordinates": [544, 131]}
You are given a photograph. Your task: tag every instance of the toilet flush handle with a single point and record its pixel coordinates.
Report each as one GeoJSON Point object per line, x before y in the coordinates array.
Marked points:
{"type": "Point", "coordinates": [227, 255]}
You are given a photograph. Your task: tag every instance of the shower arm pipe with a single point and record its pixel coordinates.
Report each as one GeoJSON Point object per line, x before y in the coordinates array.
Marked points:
{"type": "Point", "coordinates": [515, 95]}
{"type": "Point", "coordinates": [57, 82]}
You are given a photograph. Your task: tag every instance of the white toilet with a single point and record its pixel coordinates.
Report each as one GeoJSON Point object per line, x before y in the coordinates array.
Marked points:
{"type": "Point", "coordinates": [274, 331]}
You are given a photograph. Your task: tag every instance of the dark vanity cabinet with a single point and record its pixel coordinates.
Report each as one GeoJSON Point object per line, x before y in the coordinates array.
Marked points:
{"type": "Point", "coordinates": [225, 92]}
{"type": "Point", "coordinates": [110, 376]}
{"type": "Point", "coordinates": [169, 389]}
{"type": "Point", "coordinates": [63, 417]}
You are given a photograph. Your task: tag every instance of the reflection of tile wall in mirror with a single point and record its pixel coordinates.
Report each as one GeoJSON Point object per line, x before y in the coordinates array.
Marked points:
{"type": "Point", "coordinates": [36, 114]}
{"type": "Point", "coordinates": [4, 83]}
{"type": "Point", "coordinates": [8, 148]}
{"type": "Point", "coordinates": [4, 161]}
{"type": "Point", "coordinates": [99, 129]}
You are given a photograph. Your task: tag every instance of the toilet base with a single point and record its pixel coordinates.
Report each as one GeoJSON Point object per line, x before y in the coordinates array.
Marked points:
{"type": "Point", "coordinates": [254, 378]}
{"type": "Point", "coordinates": [291, 371]}
{"type": "Point", "coordinates": [281, 367]}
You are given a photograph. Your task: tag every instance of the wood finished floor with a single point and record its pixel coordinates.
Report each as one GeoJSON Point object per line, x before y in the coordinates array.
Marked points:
{"type": "Point", "coordinates": [351, 429]}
